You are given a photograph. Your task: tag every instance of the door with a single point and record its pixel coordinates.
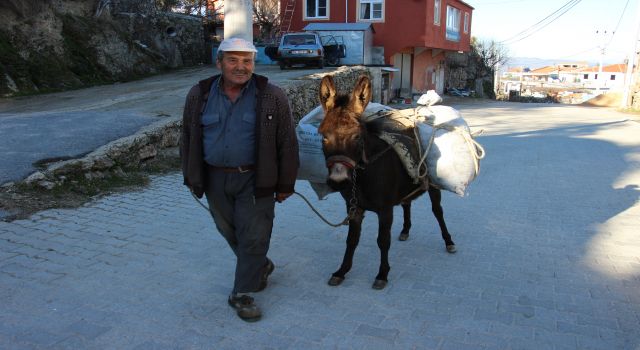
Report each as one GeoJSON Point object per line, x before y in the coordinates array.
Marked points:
{"type": "Point", "coordinates": [402, 81]}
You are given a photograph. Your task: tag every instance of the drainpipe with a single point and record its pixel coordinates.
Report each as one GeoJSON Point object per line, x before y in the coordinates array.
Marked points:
{"type": "Point", "coordinates": [346, 11]}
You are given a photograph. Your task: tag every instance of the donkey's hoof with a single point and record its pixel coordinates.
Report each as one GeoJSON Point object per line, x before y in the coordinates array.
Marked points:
{"type": "Point", "coordinates": [451, 248]}
{"type": "Point", "coordinates": [379, 284]}
{"type": "Point", "coordinates": [403, 237]}
{"type": "Point", "coordinates": [335, 280]}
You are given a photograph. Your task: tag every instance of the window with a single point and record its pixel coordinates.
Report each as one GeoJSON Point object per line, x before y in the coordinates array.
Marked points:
{"type": "Point", "coordinates": [466, 22]}
{"type": "Point", "coordinates": [316, 8]}
{"type": "Point", "coordinates": [453, 24]}
{"type": "Point", "coordinates": [613, 77]}
{"type": "Point", "coordinates": [371, 10]}
{"type": "Point", "coordinates": [585, 76]}
{"type": "Point", "coordinates": [436, 12]}
{"type": "Point", "coordinates": [596, 77]}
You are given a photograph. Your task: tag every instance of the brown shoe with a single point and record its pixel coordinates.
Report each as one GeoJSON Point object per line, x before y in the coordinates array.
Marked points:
{"type": "Point", "coordinates": [268, 269]}
{"type": "Point", "coordinates": [246, 309]}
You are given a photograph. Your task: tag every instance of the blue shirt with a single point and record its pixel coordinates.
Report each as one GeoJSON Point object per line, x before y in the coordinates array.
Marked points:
{"type": "Point", "coordinates": [229, 127]}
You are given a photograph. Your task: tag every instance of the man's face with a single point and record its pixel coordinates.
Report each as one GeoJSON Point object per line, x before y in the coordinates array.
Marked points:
{"type": "Point", "coordinates": [237, 67]}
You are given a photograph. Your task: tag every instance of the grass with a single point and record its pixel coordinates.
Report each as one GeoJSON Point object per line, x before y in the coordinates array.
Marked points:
{"type": "Point", "coordinates": [22, 200]}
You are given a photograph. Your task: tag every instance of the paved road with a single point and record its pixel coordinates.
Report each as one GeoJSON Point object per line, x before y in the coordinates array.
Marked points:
{"type": "Point", "coordinates": [73, 123]}
{"type": "Point", "coordinates": [549, 258]}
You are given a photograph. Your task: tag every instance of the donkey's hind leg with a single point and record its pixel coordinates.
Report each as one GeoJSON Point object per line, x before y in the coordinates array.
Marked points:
{"type": "Point", "coordinates": [406, 225]}
{"type": "Point", "coordinates": [385, 220]}
{"type": "Point", "coordinates": [436, 196]}
{"type": "Point", "coordinates": [355, 227]}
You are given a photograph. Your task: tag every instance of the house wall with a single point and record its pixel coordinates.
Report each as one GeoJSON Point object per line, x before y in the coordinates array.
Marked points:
{"type": "Point", "coordinates": [427, 68]}
{"type": "Point", "coordinates": [406, 25]}
{"type": "Point", "coordinates": [604, 80]}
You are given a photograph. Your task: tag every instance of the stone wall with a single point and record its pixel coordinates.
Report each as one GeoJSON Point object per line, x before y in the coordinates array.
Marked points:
{"type": "Point", "coordinates": [133, 151]}
{"type": "Point", "coordinates": [143, 7]}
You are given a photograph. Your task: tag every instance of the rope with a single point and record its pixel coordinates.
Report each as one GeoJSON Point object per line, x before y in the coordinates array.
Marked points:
{"type": "Point", "coordinates": [475, 148]}
{"type": "Point", "coordinates": [344, 222]}
{"type": "Point", "coordinates": [199, 202]}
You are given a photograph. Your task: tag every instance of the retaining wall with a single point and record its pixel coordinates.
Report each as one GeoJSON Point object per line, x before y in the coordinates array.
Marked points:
{"type": "Point", "coordinates": [133, 151]}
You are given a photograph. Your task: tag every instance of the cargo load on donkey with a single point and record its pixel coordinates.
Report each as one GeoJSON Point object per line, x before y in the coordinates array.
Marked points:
{"type": "Point", "coordinates": [442, 150]}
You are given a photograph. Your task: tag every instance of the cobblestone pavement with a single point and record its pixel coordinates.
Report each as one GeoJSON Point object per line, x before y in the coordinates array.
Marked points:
{"type": "Point", "coordinates": [549, 258]}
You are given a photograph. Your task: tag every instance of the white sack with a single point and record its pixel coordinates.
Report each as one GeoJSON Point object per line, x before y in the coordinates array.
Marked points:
{"type": "Point", "coordinates": [453, 157]}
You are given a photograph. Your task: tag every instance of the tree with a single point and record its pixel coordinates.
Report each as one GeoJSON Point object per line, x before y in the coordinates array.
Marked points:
{"type": "Point", "coordinates": [488, 56]}
{"type": "Point", "coordinates": [266, 14]}
{"type": "Point", "coordinates": [191, 7]}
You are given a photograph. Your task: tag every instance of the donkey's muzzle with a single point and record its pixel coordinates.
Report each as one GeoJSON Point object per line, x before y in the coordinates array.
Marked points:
{"type": "Point", "coordinates": [339, 167]}
{"type": "Point", "coordinates": [344, 160]}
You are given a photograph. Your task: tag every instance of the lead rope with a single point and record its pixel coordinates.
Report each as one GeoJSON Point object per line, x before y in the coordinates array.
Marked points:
{"type": "Point", "coordinates": [344, 222]}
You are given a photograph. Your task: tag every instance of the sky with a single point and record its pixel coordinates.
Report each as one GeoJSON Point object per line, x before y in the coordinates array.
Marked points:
{"type": "Point", "coordinates": [575, 35]}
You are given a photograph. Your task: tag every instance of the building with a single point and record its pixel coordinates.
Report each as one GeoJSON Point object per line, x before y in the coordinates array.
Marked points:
{"type": "Point", "coordinates": [413, 36]}
{"type": "Point", "coordinates": [559, 73]}
{"type": "Point", "coordinates": [611, 78]}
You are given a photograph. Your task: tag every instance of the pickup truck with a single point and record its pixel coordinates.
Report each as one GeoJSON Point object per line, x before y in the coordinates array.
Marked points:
{"type": "Point", "coordinates": [306, 48]}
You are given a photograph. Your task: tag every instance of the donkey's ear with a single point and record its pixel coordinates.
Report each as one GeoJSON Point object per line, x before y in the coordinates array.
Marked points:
{"type": "Point", "coordinates": [327, 93]}
{"type": "Point", "coordinates": [361, 94]}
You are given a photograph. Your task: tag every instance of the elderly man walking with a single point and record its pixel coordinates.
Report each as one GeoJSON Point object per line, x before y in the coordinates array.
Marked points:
{"type": "Point", "coordinates": [240, 150]}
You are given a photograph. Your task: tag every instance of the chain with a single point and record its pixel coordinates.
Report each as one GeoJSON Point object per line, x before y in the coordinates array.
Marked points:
{"type": "Point", "coordinates": [353, 201]}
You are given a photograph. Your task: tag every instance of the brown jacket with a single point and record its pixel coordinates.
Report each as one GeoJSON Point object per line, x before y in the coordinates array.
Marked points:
{"type": "Point", "coordinates": [276, 143]}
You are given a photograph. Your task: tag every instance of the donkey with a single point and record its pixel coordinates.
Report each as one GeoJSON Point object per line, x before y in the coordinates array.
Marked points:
{"type": "Point", "coordinates": [368, 174]}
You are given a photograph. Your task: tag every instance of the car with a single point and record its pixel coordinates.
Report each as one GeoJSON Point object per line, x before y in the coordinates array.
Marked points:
{"type": "Point", "coordinates": [459, 92]}
{"type": "Point", "coordinates": [300, 48]}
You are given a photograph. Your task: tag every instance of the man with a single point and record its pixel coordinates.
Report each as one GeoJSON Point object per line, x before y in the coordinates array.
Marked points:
{"type": "Point", "coordinates": [239, 148]}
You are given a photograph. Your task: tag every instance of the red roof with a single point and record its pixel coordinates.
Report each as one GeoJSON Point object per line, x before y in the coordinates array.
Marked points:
{"type": "Point", "coordinates": [612, 68]}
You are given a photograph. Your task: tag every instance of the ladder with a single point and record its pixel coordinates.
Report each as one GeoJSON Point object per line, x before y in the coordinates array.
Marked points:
{"type": "Point", "coordinates": [285, 23]}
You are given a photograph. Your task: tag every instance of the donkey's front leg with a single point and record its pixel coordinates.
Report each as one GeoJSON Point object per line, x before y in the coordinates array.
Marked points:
{"type": "Point", "coordinates": [355, 226]}
{"type": "Point", "coordinates": [385, 220]}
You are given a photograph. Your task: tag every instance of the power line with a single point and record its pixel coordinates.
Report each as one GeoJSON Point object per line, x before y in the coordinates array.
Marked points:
{"type": "Point", "coordinates": [618, 25]}
{"type": "Point", "coordinates": [511, 2]}
{"type": "Point", "coordinates": [579, 53]}
{"type": "Point", "coordinates": [535, 28]}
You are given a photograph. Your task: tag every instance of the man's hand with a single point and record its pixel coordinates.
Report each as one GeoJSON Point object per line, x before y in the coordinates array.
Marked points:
{"type": "Point", "coordinates": [280, 197]}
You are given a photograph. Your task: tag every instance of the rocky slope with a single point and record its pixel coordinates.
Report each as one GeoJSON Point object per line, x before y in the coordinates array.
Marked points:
{"type": "Point", "coordinates": [48, 45]}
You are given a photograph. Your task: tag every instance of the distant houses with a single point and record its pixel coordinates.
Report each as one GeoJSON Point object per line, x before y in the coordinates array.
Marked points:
{"type": "Point", "coordinates": [571, 75]}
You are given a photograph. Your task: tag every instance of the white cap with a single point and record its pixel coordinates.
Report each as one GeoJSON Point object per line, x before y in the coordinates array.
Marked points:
{"type": "Point", "coordinates": [236, 44]}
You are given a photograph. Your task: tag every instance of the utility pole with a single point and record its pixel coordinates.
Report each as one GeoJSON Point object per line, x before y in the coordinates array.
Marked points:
{"type": "Point", "coordinates": [238, 19]}
{"type": "Point", "coordinates": [602, 52]}
{"type": "Point", "coordinates": [631, 61]}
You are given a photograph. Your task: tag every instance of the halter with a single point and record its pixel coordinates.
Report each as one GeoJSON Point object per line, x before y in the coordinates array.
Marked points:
{"type": "Point", "coordinates": [353, 166]}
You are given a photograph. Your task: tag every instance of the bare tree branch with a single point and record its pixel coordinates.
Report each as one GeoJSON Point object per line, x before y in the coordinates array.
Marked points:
{"type": "Point", "coordinates": [266, 14]}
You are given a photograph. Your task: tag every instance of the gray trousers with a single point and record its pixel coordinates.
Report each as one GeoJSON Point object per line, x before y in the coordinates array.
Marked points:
{"type": "Point", "coordinates": [245, 223]}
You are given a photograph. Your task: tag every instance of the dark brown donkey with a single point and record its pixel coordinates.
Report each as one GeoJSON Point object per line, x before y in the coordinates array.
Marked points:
{"type": "Point", "coordinates": [367, 172]}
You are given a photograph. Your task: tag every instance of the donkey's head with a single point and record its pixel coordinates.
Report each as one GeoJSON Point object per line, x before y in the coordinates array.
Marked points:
{"type": "Point", "coordinates": [342, 129]}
